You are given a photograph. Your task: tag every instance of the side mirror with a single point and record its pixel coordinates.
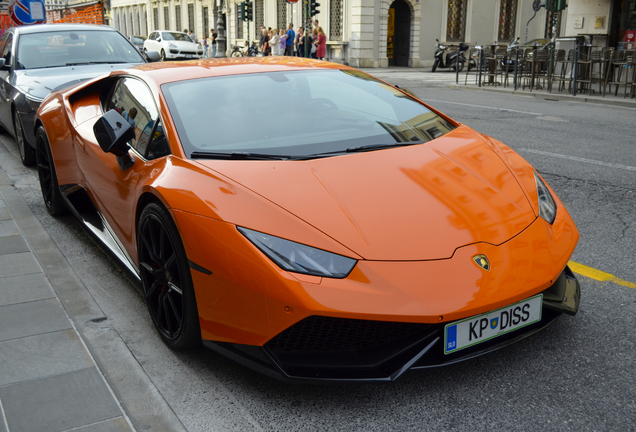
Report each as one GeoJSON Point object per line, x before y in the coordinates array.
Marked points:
{"type": "Point", "coordinates": [113, 133]}
{"type": "Point", "coordinates": [153, 56]}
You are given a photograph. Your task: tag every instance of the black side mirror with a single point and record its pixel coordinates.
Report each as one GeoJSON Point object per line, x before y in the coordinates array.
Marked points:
{"type": "Point", "coordinates": [113, 133]}
{"type": "Point", "coordinates": [153, 56]}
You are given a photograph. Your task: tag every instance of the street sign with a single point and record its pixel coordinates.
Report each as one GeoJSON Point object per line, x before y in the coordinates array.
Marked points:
{"type": "Point", "coordinates": [26, 12]}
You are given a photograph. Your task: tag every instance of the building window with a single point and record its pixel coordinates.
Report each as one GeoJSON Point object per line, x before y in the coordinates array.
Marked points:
{"type": "Point", "coordinates": [335, 20]}
{"type": "Point", "coordinates": [166, 18]}
{"type": "Point", "coordinates": [259, 15]}
{"type": "Point", "coordinates": [281, 14]}
{"type": "Point", "coordinates": [155, 18]}
{"type": "Point", "coordinates": [206, 22]}
{"type": "Point", "coordinates": [552, 29]}
{"type": "Point", "coordinates": [456, 22]}
{"type": "Point", "coordinates": [177, 17]}
{"type": "Point", "coordinates": [239, 23]}
{"type": "Point", "coordinates": [191, 17]}
{"type": "Point", "coordinates": [507, 20]}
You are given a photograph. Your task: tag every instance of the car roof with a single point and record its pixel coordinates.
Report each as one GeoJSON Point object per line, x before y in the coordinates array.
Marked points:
{"type": "Point", "coordinates": [165, 72]}
{"type": "Point", "coordinates": [43, 28]}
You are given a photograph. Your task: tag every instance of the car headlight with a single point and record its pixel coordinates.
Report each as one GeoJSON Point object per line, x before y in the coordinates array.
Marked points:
{"type": "Point", "coordinates": [299, 258]}
{"type": "Point", "coordinates": [200, 47]}
{"type": "Point", "coordinates": [34, 104]}
{"type": "Point", "coordinates": [171, 45]}
{"type": "Point", "coordinates": [547, 206]}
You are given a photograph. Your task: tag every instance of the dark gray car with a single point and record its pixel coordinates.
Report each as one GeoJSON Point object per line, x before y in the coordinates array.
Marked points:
{"type": "Point", "coordinates": [35, 60]}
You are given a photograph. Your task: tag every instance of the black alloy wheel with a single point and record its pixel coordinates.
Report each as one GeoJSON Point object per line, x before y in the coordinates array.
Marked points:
{"type": "Point", "coordinates": [53, 200]}
{"type": "Point", "coordinates": [27, 155]}
{"type": "Point", "coordinates": [166, 279]}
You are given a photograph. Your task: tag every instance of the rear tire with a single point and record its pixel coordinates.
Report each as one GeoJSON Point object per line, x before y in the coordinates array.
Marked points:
{"type": "Point", "coordinates": [27, 155]}
{"type": "Point", "coordinates": [53, 200]}
{"type": "Point", "coordinates": [461, 67]}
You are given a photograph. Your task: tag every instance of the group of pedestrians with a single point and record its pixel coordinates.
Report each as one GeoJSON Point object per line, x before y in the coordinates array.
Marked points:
{"type": "Point", "coordinates": [209, 45]}
{"type": "Point", "coordinates": [275, 42]}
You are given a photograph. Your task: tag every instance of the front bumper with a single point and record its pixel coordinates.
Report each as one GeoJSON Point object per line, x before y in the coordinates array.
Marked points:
{"type": "Point", "coordinates": [337, 349]}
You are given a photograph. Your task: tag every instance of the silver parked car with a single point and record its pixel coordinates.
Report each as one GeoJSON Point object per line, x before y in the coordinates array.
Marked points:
{"type": "Point", "coordinates": [36, 60]}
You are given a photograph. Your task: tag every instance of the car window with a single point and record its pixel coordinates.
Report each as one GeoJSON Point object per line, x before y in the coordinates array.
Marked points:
{"type": "Point", "coordinates": [316, 112]}
{"type": "Point", "coordinates": [69, 48]}
{"type": "Point", "coordinates": [134, 101]}
{"type": "Point", "coordinates": [6, 48]}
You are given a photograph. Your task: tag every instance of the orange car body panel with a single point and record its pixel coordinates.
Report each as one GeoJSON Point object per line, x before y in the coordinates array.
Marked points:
{"type": "Point", "coordinates": [413, 217]}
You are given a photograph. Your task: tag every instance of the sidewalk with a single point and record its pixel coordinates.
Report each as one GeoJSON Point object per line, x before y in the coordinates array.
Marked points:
{"type": "Point", "coordinates": [448, 78]}
{"type": "Point", "coordinates": [62, 366]}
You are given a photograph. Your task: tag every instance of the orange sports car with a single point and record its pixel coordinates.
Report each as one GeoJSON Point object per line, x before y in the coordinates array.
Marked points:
{"type": "Point", "coordinates": [307, 219]}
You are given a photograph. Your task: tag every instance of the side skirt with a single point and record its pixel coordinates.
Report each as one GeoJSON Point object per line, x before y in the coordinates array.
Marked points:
{"type": "Point", "coordinates": [82, 207]}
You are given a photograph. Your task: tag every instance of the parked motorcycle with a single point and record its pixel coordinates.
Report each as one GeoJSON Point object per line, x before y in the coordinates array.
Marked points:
{"type": "Point", "coordinates": [449, 61]}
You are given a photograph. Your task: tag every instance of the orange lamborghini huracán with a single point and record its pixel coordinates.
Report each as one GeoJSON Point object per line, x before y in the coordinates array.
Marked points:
{"type": "Point", "coordinates": [307, 219]}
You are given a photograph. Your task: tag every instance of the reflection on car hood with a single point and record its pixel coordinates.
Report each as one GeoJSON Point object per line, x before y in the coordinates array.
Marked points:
{"type": "Point", "coordinates": [38, 83]}
{"type": "Point", "coordinates": [410, 203]}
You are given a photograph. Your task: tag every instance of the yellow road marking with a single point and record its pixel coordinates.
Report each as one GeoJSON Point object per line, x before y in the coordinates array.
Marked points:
{"type": "Point", "coordinates": [598, 275]}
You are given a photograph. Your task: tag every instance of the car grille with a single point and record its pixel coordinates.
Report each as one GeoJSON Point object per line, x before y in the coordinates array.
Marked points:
{"type": "Point", "coordinates": [332, 347]}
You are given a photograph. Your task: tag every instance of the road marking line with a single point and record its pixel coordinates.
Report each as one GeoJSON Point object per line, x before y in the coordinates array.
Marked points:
{"type": "Point", "coordinates": [482, 106]}
{"type": "Point", "coordinates": [598, 275]}
{"type": "Point", "coordinates": [578, 159]}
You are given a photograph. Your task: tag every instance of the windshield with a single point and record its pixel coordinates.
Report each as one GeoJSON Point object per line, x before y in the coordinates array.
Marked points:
{"type": "Point", "coordinates": [297, 114]}
{"type": "Point", "coordinates": [67, 48]}
{"type": "Point", "coordinates": [170, 36]}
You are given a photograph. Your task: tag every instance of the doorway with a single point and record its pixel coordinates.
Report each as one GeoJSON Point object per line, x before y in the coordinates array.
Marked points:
{"type": "Point", "coordinates": [398, 45]}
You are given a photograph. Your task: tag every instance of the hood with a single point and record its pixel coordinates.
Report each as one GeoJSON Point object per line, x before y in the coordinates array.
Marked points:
{"type": "Point", "coordinates": [418, 202]}
{"type": "Point", "coordinates": [38, 83]}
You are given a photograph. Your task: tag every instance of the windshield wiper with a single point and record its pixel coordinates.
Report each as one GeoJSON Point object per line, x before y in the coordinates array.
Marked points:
{"type": "Point", "coordinates": [96, 62]}
{"type": "Point", "coordinates": [237, 156]}
{"type": "Point", "coordinates": [371, 147]}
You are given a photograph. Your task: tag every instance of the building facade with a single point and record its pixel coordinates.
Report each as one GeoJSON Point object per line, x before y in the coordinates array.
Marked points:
{"type": "Point", "coordinates": [381, 33]}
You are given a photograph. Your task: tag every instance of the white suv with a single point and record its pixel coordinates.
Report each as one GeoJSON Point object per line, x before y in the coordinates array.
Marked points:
{"type": "Point", "coordinates": [173, 45]}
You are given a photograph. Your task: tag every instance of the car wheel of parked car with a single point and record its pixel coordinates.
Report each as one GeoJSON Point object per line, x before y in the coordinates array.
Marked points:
{"type": "Point", "coordinates": [27, 155]}
{"type": "Point", "coordinates": [166, 279]}
{"type": "Point", "coordinates": [53, 199]}
{"type": "Point", "coordinates": [163, 55]}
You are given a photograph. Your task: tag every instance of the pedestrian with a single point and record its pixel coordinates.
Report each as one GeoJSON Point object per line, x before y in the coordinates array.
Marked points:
{"type": "Point", "coordinates": [321, 44]}
{"type": "Point", "coordinates": [289, 44]}
{"type": "Point", "coordinates": [314, 43]}
{"type": "Point", "coordinates": [274, 42]}
{"type": "Point", "coordinates": [298, 43]}
{"type": "Point", "coordinates": [204, 42]}
{"type": "Point", "coordinates": [263, 43]}
{"type": "Point", "coordinates": [283, 42]}
{"type": "Point", "coordinates": [213, 37]}
{"type": "Point", "coordinates": [192, 36]}
{"type": "Point", "coordinates": [316, 24]}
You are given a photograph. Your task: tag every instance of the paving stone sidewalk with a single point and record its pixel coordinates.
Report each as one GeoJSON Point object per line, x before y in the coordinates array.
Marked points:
{"type": "Point", "coordinates": [49, 381]}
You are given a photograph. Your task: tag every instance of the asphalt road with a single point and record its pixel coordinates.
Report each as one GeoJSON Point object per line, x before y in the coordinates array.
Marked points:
{"type": "Point", "coordinates": [578, 374]}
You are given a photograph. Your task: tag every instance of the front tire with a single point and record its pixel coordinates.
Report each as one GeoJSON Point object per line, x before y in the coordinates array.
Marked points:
{"type": "Point", "coordinates": [53, 200]}
{"type": "Point", "coordinates": [435, 64]}
{"type": "Point", "coordinates": [163, 55]}
{"type": "Point", "coordinates": [27, 155]}
{"type": "Point", "coordinates": [166, 279]}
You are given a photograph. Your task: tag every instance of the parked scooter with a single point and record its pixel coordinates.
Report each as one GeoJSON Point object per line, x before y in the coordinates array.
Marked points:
{"type": "Point", "coordinates": [449, 61]}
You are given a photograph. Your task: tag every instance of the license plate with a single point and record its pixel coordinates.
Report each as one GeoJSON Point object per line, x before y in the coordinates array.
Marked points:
{"type": "Point", "coordinates": [189, 56]}
{"type": "Point", "coordinates": [471, 331]}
